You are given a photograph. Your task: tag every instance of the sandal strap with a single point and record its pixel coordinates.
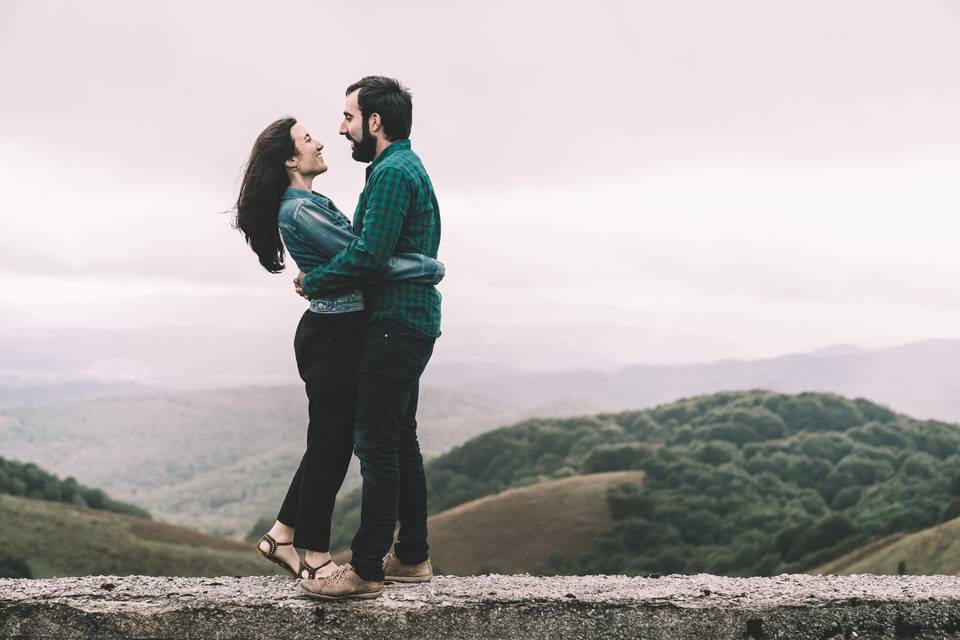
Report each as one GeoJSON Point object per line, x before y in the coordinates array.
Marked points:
{"type": "Point", "coordinates": [273, 543]}
{"type": "Point", "coordinates": [312, 571]}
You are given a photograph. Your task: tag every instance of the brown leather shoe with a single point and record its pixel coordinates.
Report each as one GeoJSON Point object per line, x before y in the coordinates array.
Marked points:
{"type": "Point", "coordinates": [397, 571]}
{"type": "Point", "coordinates": [341, 584]}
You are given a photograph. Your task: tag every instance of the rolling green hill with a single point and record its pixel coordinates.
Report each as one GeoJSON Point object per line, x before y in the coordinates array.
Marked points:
{"type": "Point", "coordinates": [738, 483]}
{"type": "Point", "coordinates": [933, 551]}
{"type": "Point", "coordinates": [519, 529]}
{"type": "Point", "coordinates": [56, 539]}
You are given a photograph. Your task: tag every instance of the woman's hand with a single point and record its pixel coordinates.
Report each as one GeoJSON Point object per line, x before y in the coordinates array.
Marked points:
{"type": "Point", "coordinates": [298, 285]}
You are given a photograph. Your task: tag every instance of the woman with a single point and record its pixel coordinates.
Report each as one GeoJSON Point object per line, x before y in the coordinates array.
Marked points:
{"type": "Point", "coordinates": [277, 207]}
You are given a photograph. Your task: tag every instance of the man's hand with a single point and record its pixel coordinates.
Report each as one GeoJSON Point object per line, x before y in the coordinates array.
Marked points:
{"type": "Point", "coordinates": [298, 285]}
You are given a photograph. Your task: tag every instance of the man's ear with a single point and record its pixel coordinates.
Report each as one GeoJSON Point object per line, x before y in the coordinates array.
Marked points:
{"type": "Point", "coordinates": [373, 122]}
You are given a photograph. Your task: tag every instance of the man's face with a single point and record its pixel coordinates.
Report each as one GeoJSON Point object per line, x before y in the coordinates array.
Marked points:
{"type": "Point", "coordinates": [354, 128]}
{"type": "Point", "coordinates": [308, 155]}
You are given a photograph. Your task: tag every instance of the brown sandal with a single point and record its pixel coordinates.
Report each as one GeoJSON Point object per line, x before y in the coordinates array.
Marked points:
{"type": "Point", "coordinates": [311, 571]}
{"type": "Point", "coordinates": [269, 555]}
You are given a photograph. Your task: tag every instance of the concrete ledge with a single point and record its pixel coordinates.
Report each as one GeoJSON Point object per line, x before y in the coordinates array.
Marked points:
{"type": "Point", "coordinates": [794, 607]}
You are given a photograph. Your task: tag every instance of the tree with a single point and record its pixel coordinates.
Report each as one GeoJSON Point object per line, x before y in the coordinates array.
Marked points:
{"type": "Point", "coordinates": [825, 533]}
{"type": "Point", "coordinates": [715, 452]}
{"type": "Point", "coordinates": [13, 567]}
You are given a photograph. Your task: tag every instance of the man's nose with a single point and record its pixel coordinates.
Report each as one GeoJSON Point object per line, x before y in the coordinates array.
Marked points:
{"type": "Point", "coordinates": [343, 128]}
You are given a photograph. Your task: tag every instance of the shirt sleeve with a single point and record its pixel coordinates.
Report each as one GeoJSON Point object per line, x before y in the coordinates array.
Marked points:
{"type": "Point", "coordinates": [316, 227]}
{"type": "Point", "coordinates": [388, 200]}
{"type": "Point", "coordinates": [415, 267]}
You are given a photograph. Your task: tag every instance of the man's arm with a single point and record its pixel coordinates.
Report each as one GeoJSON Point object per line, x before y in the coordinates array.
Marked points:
{"type": "Point", "coordinates": [388, 199]}
{"type": "Point", "coordinates": [320, 228]}
{"type": "Point", "coordinates": [415, 267]}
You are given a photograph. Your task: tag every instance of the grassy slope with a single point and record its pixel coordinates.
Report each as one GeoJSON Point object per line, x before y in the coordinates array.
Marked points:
{"type": "Point", "coordinates": [524, 525]}
{"type": "Point", "coordinates": [933, 551]}
{"type": "Point", "coordinates": [57, 539]}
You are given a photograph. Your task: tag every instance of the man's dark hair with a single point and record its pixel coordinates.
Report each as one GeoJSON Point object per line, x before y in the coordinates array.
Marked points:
{"type": "Point", "coordinates": [389, 98]}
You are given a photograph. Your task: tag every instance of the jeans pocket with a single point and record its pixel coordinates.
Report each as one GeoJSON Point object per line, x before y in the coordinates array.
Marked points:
{"type": "Point", "coordinates": [415, 351]}
{"type": "Point", "coordinates": [382, 351]}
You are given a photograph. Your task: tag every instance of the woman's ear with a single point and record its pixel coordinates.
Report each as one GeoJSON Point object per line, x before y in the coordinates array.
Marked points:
{"type": "Point", "coordinates": [292, 163]}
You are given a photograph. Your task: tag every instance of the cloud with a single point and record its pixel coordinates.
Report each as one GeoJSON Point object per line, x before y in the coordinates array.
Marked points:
{"type": "Point", "coordinates": [556, 93]}
{"type": "Point", "coordinates": [770, 172]}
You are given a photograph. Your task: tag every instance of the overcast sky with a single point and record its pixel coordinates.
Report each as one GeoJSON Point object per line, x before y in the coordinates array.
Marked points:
{"type": "Point", "coordinates": [711, 179]}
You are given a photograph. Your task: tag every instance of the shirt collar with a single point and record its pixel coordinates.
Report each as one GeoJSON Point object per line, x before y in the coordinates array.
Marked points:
{"type": "Point", "coordinates": [394, 146]}
{"type": "Point", "coordinates": [293, 193]}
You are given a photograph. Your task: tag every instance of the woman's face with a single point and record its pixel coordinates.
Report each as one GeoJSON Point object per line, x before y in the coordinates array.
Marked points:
{"type": "Point", "coordinates": [308, 160]}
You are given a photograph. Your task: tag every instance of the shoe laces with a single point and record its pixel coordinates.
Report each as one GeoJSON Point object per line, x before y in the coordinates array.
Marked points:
{"type": "Point", "coordinates": [386, 559]}
{"type": "Point", "coordinates": [338, 573]}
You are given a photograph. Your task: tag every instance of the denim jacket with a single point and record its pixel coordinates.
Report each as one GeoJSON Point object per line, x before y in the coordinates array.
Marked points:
{"type": "Point", "coordinates": [314, 230]}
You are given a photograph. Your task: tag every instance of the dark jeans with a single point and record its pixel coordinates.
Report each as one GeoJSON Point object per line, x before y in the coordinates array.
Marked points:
{"type": "Point", "coordinates": [327, 347]}
{"type": "Point", "coordinates": [385, 432]}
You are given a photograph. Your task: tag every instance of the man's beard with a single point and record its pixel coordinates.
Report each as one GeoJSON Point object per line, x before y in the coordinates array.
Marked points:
{"type": "Point", "coordinates": [366, 149]}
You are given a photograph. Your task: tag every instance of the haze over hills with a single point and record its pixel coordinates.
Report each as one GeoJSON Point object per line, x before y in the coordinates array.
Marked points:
{"type": "Point", "coordinates": [16, 390]}
{"type": "Point", "coordinates": [919, 379]}
{"type": "Point", "coordinates": [215, 460]}
{"type": "Point", "coordinates": [203, 357]}
{"type": "Point", "coordinates": [518, 366]}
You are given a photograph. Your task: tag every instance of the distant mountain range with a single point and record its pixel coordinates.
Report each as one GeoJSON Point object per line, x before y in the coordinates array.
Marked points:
{"type": "Point", "coordinates": [519, 366]}
{"type": "Point", "coordinates": [920, 379]}
{"type": "Point", "coordinates": [17, 393]}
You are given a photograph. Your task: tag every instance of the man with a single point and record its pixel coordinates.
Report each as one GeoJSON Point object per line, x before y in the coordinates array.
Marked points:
{"type": "Point", "coordinates": [397, 211]}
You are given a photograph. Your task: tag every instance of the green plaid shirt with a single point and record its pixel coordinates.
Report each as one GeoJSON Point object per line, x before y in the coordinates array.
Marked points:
{"type": "Point", "coordinates": [397, 212]}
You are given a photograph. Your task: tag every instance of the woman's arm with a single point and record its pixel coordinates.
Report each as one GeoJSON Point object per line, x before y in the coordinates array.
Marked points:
{"type": "Point", "coordinates": [329, 233]}
{"type": "Point", "coordinates": [322, 229]}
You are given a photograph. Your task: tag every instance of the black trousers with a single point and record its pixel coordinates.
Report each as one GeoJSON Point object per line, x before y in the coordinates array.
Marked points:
{"type": "Point", "coordinates": [327, 347]}
{"type": "Point", "coordinates": [385, 433]}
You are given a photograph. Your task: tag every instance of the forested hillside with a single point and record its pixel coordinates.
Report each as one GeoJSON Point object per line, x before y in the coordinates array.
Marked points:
{"type": "Point", "coordinates": [738, 483]}
{"type": "Point", "coordinates": [28, 480]}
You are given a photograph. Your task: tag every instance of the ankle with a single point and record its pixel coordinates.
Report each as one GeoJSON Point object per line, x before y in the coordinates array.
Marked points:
{"type": "Point", "coordinates": [281, 532]}
{"type": "Point", "coordinates": [316, 558]}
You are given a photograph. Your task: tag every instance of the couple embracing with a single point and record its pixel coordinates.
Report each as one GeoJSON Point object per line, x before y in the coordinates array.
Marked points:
{"type": "Point", "coordinates": [364, 341]}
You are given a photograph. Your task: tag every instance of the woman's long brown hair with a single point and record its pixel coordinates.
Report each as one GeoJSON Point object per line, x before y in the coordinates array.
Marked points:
{"type": "Point", "coordinates": [264, 181]}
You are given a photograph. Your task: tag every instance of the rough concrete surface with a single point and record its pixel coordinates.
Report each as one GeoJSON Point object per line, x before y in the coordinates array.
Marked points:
{"type": "Point", "coordinates": [796, 607]}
